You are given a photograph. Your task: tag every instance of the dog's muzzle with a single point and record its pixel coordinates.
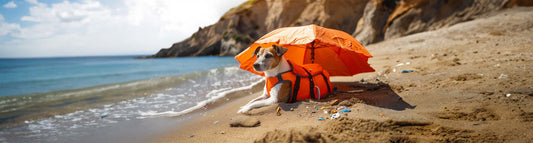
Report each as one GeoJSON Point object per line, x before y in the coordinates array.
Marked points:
{"type": "Point", "coordinates": [257, 66]}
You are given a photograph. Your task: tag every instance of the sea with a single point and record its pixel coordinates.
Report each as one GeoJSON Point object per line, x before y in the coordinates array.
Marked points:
{"type": "Point", "coordinates": [112, 98]}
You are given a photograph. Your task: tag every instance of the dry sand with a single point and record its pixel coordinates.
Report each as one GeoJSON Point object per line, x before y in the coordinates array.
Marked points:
{"type": "Point", "coordinates": [471, 82]}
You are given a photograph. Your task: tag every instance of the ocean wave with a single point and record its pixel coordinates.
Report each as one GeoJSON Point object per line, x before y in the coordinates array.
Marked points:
{"type": "Point", "coordinates": [217, 95]}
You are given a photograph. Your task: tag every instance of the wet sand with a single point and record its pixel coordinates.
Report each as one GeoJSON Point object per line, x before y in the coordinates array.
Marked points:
{"type": "Point", "coordinates": [471, 82]}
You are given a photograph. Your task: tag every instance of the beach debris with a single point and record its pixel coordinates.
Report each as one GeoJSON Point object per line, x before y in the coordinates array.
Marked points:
{"type": "Point", "coordinates": [381, 114]}
{"type": "Point", "coordinates": [394, 70]}
{"type": "Point", "coordinates": [407, 71]}
{"type": "Point", "coordinates": [321, 119]}
{"type": "Point", "coordinates": [292, 109]}
{"type": "Point", "coordinates": [244, 121]}
{"type": "Point", "coordinates": [103, 116]}
{"type": "Point", "coordinates": [191, 136]}
{"type": "Point", "coordinates": [278, 111]}
{"type": "Point", "coordinates": [335, 116]}
{"type": "Point", "coordinates": [222, 132]}
{"type": "Point", "coordinates": [345, 110]}
{"type": "Point", "coordinates": [313, 111]}
{"type": "Point", "coordinates": [333, 111]}
{"type": "Point", "coordinates": [356, 91]}
{"type": "Point", "coordinates": [317, 108]}
{"type": "Point", "coordinates": [502, 76]}
{"type": "Point", "coordinates": [508, 95]}
{"type": "Point", "coordinates": [215, 122]}
{"type": "Point", "coordinates": [334, 102]}
{"type": "Point", "coordinates": [341, 107]}
{"type": "Point", "coordinates": [400, 64]}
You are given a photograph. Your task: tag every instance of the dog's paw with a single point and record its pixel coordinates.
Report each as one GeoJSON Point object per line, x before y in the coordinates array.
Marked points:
{"type": "Point", "coordinates": [244, 109]}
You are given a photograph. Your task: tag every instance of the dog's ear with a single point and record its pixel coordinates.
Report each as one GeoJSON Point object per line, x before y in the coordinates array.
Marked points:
{"type": "Point", "coordinates": [256, 50]}
{"type": "Point", "coordinates": [280, 50]}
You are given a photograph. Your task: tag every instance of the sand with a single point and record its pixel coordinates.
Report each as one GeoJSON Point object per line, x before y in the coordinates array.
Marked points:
{"type": "Point", "coordinates": [471, 82]}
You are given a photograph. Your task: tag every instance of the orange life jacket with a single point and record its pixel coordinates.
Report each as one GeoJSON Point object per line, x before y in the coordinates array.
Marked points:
{"type": "Point", "coordinates": [308, 81]}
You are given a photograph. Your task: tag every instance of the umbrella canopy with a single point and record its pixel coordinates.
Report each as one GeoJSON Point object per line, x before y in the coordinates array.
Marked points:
{"type": "Point", "coordinates": [336, 51]}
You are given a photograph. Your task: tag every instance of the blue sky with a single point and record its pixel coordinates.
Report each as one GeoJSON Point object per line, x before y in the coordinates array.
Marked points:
{"type": "Point", "coordinates": [55, 28]}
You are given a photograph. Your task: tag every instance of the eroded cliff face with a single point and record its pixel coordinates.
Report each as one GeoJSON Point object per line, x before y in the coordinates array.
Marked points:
{"type": "Point", "coordinates": [369, 21]}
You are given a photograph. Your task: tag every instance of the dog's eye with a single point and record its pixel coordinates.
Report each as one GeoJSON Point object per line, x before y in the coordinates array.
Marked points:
{"type": "Point", "coordinates": [268, 56]}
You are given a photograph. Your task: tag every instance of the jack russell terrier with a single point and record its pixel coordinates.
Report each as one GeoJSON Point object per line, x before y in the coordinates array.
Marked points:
{"type": "Point", "coordinates": [286, 81]}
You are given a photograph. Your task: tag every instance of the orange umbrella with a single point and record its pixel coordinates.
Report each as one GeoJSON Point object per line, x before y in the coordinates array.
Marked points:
{"type": "Point", "coordinates": [336, 51]}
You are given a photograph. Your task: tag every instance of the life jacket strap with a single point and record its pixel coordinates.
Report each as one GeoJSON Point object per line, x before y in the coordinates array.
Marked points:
{"type": "Point", "coordinates": [326, 80]}
{"type": "Point", "coordinates": [311, 84]}
{"type": "Point", "coordinates": [296, 88]}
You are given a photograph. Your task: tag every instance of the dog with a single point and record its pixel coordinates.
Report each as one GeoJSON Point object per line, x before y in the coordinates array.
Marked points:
{"type": "Point", "coordinates": [286, 81]}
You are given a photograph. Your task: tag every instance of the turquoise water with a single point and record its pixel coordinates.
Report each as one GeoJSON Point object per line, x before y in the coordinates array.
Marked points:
{"type": "Point", "coordinates": [81, 99]}
{"type": "Point", "coordinates": [38, 75]}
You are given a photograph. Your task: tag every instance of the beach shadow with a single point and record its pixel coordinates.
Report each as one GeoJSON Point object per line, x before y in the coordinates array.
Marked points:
{"type": "Point", "coordinates": [375, 94]}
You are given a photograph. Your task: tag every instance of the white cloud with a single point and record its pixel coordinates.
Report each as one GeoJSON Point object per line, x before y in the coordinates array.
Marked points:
{"type": "Point", "coordinates": [90, 28]}
{"type": "Point", "coordinates": [10, 4]}
{"type": "Point", "coordinates": [32, 1]}
{"type": "Point", "coordinates": [7, 28]}
{"type": "Point", "coordinates": [179, 15]}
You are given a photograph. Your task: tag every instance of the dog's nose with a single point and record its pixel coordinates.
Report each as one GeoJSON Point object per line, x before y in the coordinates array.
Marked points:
{"type": "Point", "coordinates": [256, 65]}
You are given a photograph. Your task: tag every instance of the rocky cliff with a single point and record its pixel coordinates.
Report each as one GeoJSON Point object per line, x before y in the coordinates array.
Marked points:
{"type": "Point", "coordinates": [369, 21]}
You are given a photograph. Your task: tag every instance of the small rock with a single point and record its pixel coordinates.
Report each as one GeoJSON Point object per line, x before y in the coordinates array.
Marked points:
{"type": "Point", "coordinates": [244, 121]}
{"type": "Point", "coordinates": [222, 132]}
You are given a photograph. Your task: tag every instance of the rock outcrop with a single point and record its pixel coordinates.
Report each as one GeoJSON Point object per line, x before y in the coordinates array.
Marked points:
{"type": "Point", "coordinates": [369, 21]}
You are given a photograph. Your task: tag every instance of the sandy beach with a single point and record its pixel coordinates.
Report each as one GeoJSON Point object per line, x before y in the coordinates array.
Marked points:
{"type": "Point", "coordinates": [470, 82]}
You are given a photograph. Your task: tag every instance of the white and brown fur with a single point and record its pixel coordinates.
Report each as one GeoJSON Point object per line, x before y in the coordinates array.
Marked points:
{"type": "Point", "coordinates": [270, 61]}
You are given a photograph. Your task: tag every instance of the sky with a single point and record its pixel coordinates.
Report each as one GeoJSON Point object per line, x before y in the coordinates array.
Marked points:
{"type": "Point", "coordinates": [64, 28]}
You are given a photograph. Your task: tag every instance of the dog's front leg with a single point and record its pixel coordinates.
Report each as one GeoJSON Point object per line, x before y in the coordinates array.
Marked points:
{"type": "Point", "coordinates": [261, 97]}
{"type": "Point", "coordinates": [260, 103]}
